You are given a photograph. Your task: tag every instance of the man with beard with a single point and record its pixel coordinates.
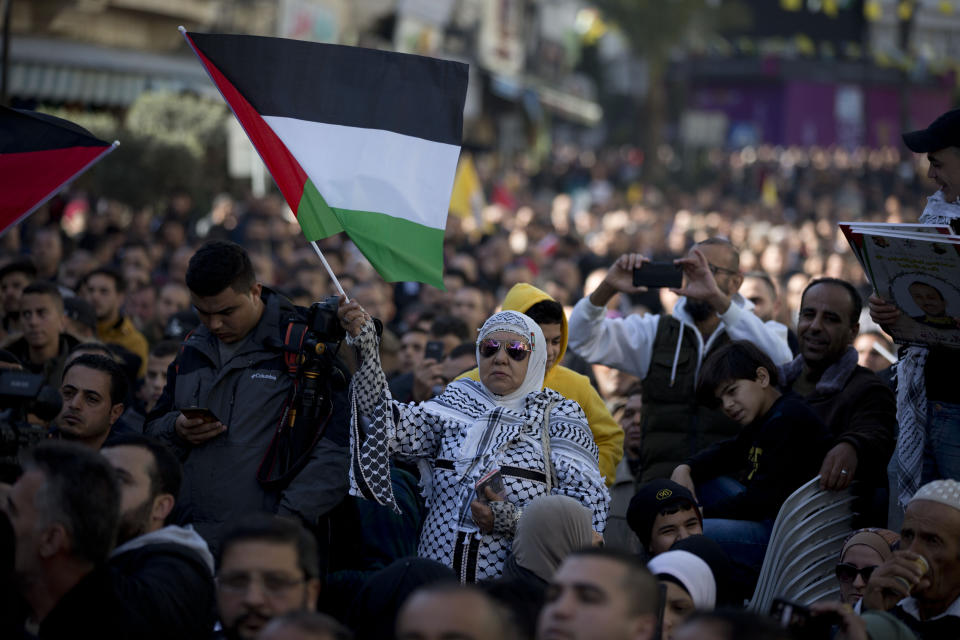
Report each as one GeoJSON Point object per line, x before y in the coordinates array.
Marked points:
{"type": "Point", "coordinates": [665, 351]}
{"type": "Point", "coordinates": [162, 573]}
{"type": "Point", "coordinates": [104, 288]}
{"type": "Point", "coordinates": [64, 511]}
{"type": "Point", "coordinates": [268, 567]}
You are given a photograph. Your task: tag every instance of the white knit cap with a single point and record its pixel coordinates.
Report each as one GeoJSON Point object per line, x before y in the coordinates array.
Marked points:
{"type": "Point", "coordinates": [692, 572]}
{"type": "Point", "coordinates": [943, 491]}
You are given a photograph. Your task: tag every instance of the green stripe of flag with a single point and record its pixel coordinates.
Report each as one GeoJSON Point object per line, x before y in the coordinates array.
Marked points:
{"type": "Point", "coordinates": [400, 250]}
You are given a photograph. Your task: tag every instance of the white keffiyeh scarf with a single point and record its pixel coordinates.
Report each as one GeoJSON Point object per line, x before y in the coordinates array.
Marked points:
{"type": "Point", "coordinates": [911, 384]}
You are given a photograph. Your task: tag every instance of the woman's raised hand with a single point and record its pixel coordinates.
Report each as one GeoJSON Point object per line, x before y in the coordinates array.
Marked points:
{"type": "Point", "coordinates": [352, 316]}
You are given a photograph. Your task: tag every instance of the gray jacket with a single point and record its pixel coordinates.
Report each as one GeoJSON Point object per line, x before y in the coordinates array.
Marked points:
{"type": "Point", "coordinates": [618, 534]}
{"type": "Point", "coordinates": [247, 393]}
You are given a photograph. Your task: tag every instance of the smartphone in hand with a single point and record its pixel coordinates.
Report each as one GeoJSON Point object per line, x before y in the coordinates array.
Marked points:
{"type": "Point", "coordinates": [199, 412]}
{"type": "Point", "coordinates": [801, 621]}
{"type": "Point", "coordinates": [494, 480]}
{"type": "Point", "coordinates": [656, 275]}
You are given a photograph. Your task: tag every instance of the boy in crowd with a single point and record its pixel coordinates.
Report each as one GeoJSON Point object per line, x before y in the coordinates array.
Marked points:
{"type": "Point", "coordinates": [661, 513]}
{"type": "Point", "coordinates": [743, 481]}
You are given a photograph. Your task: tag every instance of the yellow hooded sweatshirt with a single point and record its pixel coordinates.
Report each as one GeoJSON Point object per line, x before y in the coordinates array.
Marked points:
{"type": "Point", "coordinates": [606, 432]}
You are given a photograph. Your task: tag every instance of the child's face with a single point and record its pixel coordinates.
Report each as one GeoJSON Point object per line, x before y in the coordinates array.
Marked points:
{"type": "Point", "coordinates": [744, 400]}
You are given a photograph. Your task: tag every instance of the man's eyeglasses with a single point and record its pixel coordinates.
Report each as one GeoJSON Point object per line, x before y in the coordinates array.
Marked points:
{"type": "Point", "coordinates": [846, 572]}
{"type": "Point", "coordinates": [273, 583]}
{"type": "Point", "coordinates": [714, 269]}
{"type": "Point", "coordinates": [516, 349]}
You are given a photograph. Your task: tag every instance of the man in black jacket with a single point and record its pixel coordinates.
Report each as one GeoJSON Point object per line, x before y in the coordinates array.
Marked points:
{"type": "Point", "coordinates": [162, 573]}
{"type": "Point", "coordinates": [64, 511]}
{"type": "Point", "coordinates": [855, 404]}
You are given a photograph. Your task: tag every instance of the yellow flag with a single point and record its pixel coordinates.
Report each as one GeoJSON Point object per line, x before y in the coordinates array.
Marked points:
{"type": "Point", "coordinates": [805, 44]}
{"type": "Point", "coordinates": [905, 10]}
{"type": "Point", "coordinates": [466, 199]}
{"type": "Point", "coordinates": [768, 192]}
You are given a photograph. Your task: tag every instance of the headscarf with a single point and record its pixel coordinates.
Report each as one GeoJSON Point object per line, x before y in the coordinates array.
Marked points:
{"type": "Point", "coordinates": [478, 436]}
{"type": "Point", "coordinates": [692, 572]}
{"type": "Point", "coordinates": [529, 331]}
{"type": "Point", "coordinates": [883, 541]}
{"type": "Point", "coordinates": [551, 528]}
{"type": "Point", "coordinates": [490, 423]}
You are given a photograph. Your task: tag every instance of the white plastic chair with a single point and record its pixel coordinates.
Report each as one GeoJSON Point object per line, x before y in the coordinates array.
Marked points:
{"type": "Point", "coordinates": [804, 545]}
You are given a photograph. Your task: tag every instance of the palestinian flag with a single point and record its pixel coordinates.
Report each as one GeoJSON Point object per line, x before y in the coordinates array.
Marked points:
{"type": "Point", "coordinates": [39, 154]}
{"type": "Point", "coordinates": [358, 140]}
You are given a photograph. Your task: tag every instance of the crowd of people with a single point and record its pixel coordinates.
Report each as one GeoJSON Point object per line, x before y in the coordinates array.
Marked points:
{"type": "Point", "coordinates": [216, 445]}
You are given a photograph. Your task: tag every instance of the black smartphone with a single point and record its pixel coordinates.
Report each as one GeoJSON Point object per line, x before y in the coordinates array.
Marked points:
{"type": "Point", "coordinates": [199, 412]}
{"type": "Point", "coordinates": [801, 622]}
{"type": "Point", "coordinates": [433, 351]}
{"type": "Point", "coordinates": [492, 479]}
{"type": "Point", "coordinates": [658, 275]}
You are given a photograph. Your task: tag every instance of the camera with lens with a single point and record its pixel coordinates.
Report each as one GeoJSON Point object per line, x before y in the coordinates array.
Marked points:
{"type": "Point", "coordinates": [22, 394]}
{"type": "Point", "coordinates": [311, 346]}
{"type": "Point", "coordinates": [323, 327]}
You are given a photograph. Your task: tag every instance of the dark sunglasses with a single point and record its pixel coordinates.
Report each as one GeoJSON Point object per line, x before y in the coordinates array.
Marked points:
{"type": "Point", "coordinates": [846, 572]}
{"type": "Point", "coordinates": [515, 349]}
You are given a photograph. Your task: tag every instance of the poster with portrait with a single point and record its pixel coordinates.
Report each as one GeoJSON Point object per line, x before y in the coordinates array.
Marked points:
{"type": "Point", "coordinates": [848, 228]}
{"type": "Point", "coordinates": [920, 273]}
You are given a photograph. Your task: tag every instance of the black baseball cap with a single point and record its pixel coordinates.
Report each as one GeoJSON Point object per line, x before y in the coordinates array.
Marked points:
{"type": "Point", "coordinates": [942, 132]}
{"type": "Point", "coordinates": [652, 498]}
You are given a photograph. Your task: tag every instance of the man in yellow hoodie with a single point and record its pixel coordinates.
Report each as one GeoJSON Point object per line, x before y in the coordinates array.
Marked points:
{"type": "Point", "coordinates": [548, 313]}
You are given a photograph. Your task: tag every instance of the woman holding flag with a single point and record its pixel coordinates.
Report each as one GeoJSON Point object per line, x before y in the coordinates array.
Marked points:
{"type": "Point", "coordinates": [485, 448]}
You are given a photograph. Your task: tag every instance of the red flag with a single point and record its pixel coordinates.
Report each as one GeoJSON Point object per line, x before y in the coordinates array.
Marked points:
{"type": "Point", "coordinates": [39, 154]}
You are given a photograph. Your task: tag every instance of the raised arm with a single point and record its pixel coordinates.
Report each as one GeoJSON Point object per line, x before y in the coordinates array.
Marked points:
{"type": "Point", "coordinates": [408, 429]}
{"type": "Point", "coordinates": [623, 344]}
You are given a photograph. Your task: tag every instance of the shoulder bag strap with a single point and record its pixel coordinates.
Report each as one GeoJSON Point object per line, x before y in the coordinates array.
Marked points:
{"type": "Point", "coordinates": [545, 440]}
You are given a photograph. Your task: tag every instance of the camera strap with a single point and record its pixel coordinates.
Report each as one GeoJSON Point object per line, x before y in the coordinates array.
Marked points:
{"type": "Point", "coordinates": [294, 439]}
{"type": "Point", "coordinates": [292, 343]}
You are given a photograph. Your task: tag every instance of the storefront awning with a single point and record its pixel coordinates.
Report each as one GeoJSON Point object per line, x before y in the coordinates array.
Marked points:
{"type": "Point", "coordinates": [61, 71]}
{"type": "Point", "coordinates": [567, 105]}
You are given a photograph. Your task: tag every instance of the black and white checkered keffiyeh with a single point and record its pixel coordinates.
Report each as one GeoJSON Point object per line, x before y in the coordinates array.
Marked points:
{"type": "Point", "coordinates": [438, 431]}
{"type": "Point", "coordinates": [911, 383]}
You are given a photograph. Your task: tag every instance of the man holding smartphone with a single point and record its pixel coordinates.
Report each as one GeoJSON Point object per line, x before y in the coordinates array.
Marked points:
{"type": "Point", "coordinates": [233, 367]}
{"type": "Point", "coordinates": [665, 351]}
